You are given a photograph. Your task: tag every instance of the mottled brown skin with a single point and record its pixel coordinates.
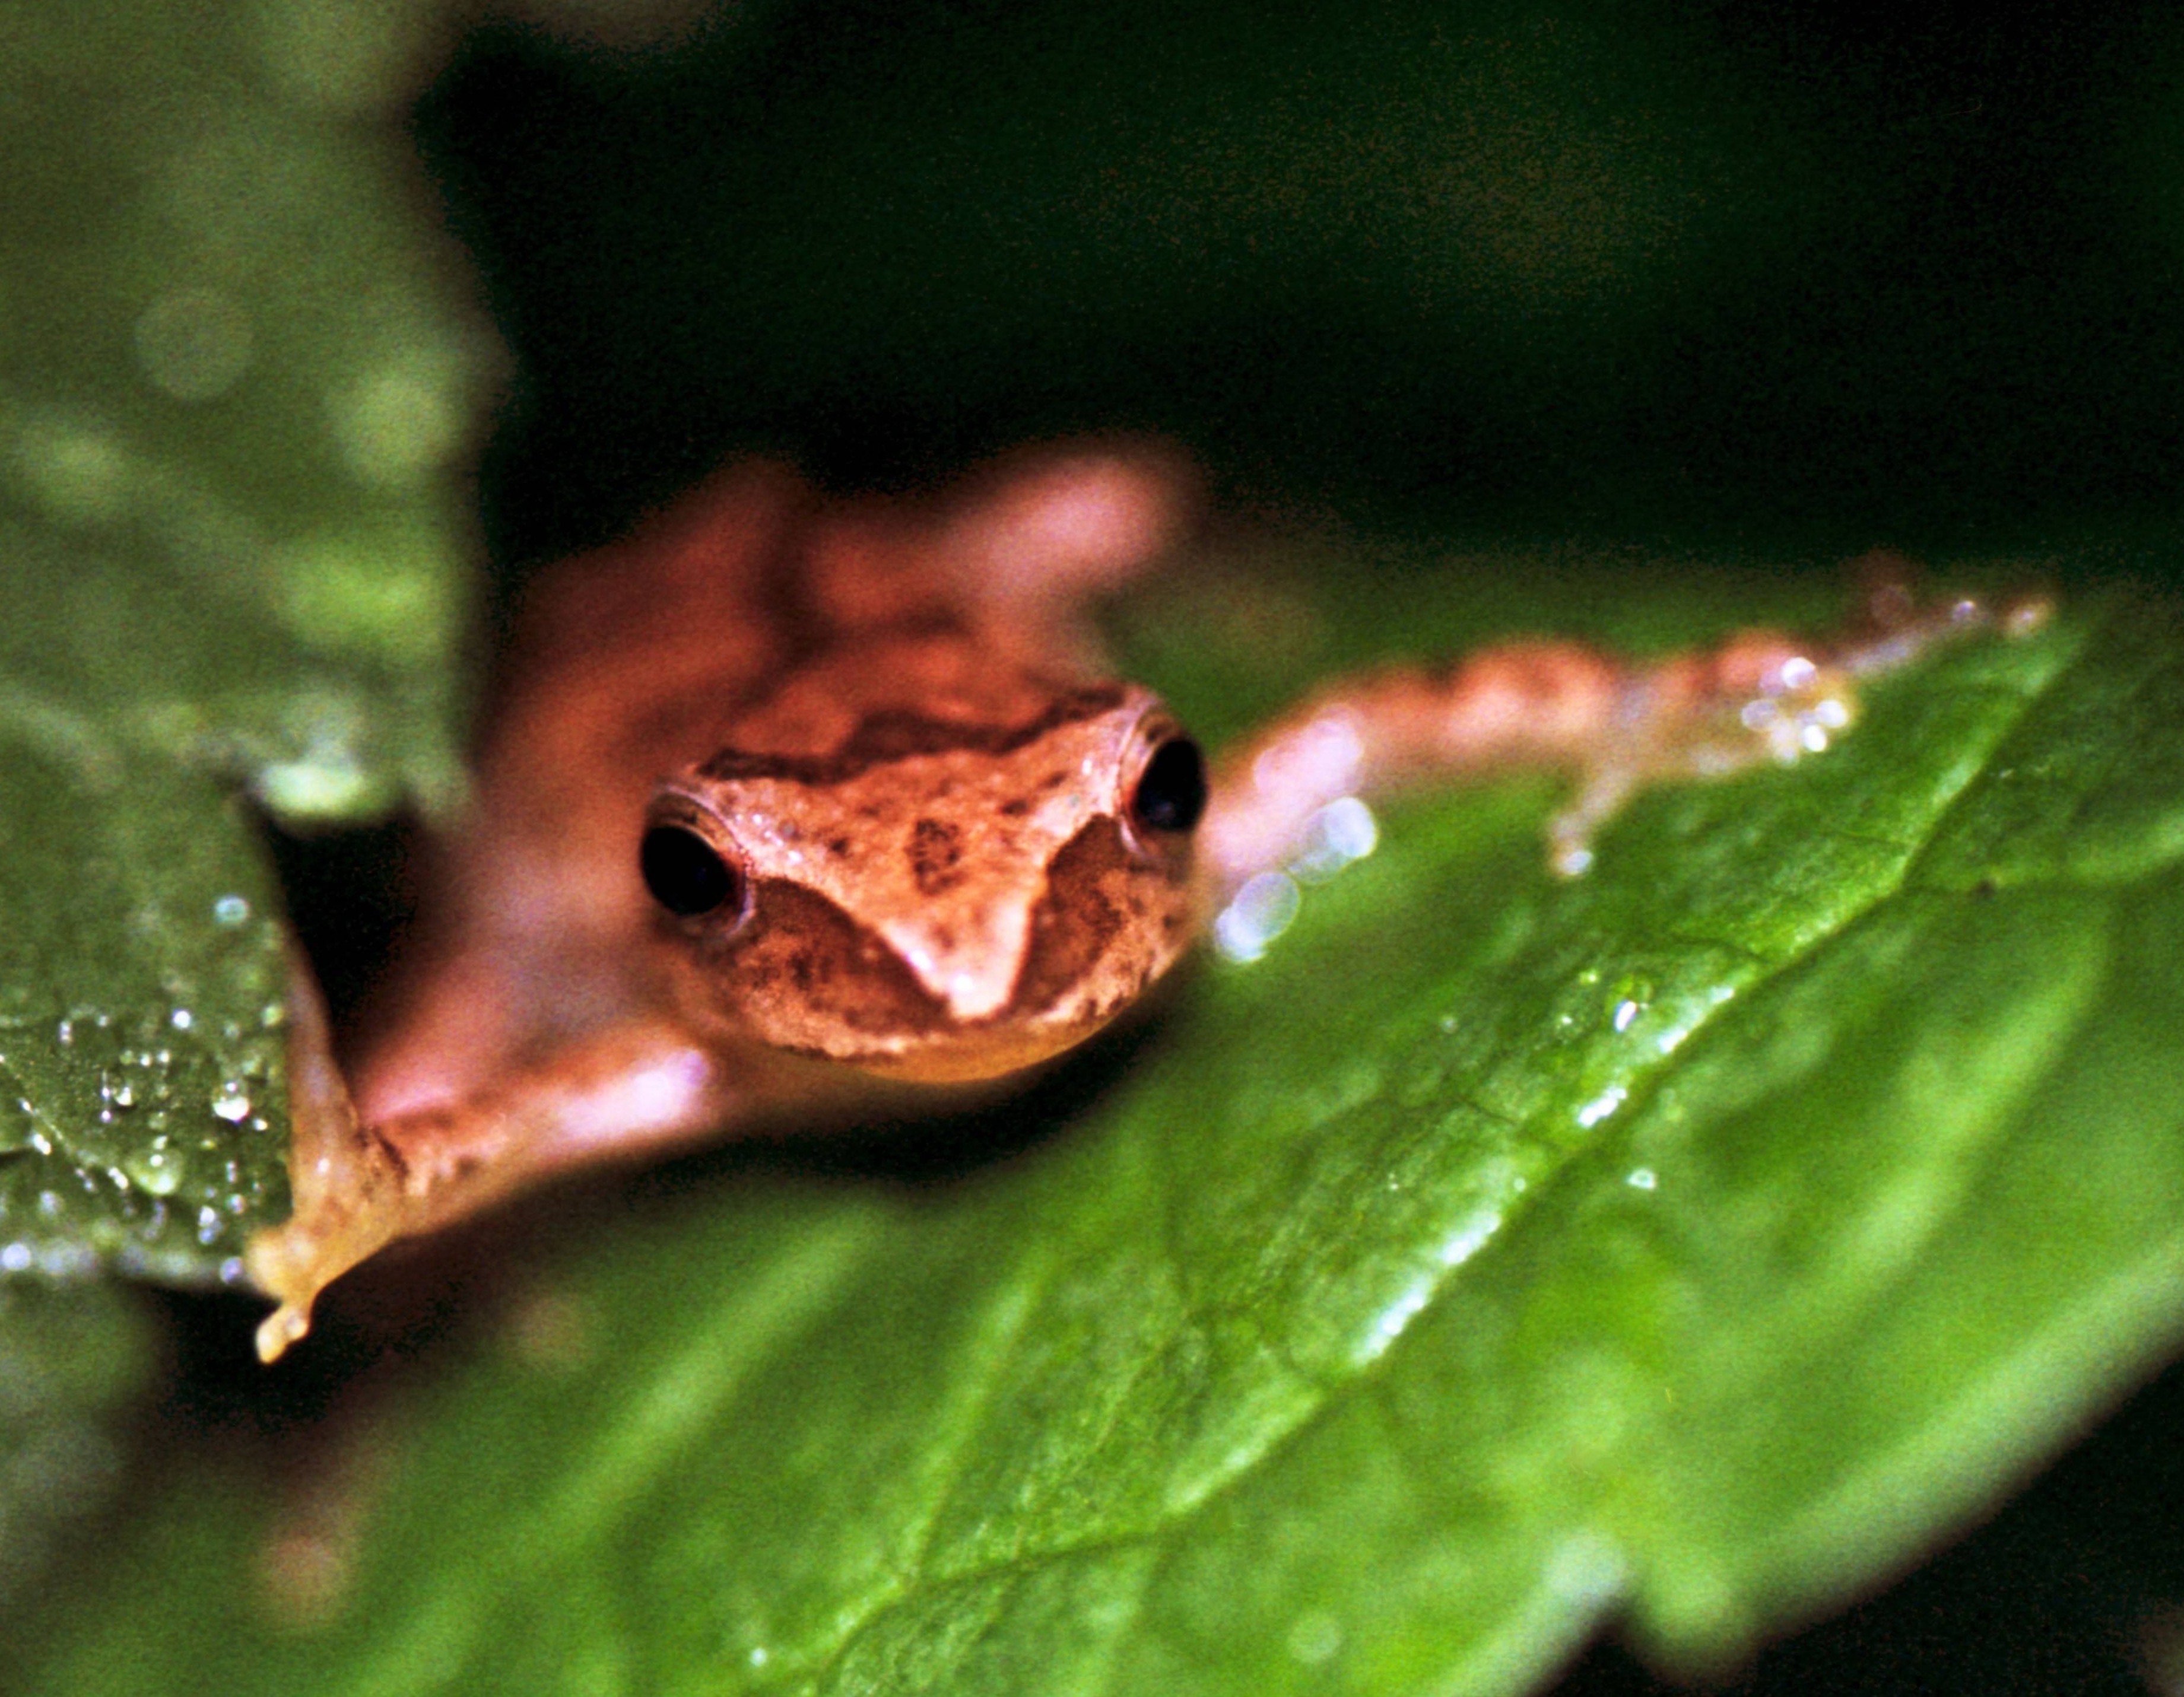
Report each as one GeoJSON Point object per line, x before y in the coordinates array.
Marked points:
{"type": "Point", "coordinates": [881, 715]}
{"type": "Point", "coordinates": [937, 894]}
{"type": "Point", "coordinates": [885, 719]}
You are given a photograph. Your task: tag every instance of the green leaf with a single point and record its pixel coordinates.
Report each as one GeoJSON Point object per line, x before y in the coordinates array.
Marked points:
{"type": "Point", "coordinates": [1696, 1239]}
{"type": "Point", "coordinates": [230, 385]}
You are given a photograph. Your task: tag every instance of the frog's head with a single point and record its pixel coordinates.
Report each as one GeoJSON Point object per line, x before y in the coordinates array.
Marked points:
{"type": "Point", "coordinates": [933, 896]}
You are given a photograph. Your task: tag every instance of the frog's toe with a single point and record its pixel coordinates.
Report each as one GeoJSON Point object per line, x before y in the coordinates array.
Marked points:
{"type": "Point", "coordinates": [286, 1324]}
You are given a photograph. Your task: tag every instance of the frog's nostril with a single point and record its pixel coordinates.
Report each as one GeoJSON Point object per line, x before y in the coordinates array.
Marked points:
{"type": "Point", "coordinates": [685, 873]}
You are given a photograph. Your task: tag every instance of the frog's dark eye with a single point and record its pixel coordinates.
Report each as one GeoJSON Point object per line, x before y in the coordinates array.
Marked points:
{"type": "Point", "coordinates": [685, 873]}
{"type": "Point", "coordinates": [1171, 791]}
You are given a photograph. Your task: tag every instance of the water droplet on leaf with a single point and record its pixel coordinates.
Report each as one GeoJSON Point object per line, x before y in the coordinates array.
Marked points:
{"type": "Point", "coordinates": [159, 1169]}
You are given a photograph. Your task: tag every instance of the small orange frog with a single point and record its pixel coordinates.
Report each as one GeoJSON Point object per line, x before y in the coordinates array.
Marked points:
{"type": "Point", "coordinates": [789, 802]}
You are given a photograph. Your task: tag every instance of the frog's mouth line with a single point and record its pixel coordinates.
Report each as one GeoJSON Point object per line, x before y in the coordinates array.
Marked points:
{"type": "Point", "coordinates": [991, 1049]}
{"type": "Point", "coordinates": [966, 1052]}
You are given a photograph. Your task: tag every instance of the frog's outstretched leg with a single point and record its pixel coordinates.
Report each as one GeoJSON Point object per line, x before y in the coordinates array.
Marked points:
{"type": "Point", "coordinates": [1616, 725]}
{"type": "Point", "coordinates": [358, 1187]}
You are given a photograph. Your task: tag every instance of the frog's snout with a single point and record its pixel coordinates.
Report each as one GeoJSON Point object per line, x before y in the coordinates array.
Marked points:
{"type": "Point", "coordinates": [973, 977]}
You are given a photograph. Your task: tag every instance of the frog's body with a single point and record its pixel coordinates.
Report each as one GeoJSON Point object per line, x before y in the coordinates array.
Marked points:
{"type": "Point", "coordinates": [892, 757]}
{"type": "Point", "coordinates": [784, 798]}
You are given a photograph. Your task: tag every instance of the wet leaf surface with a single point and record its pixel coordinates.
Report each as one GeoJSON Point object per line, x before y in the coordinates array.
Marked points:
{"type": "Point", "coordinates": [227, 577]}
{"type": "Point", "coordinates": [1692, 1244]}
{"type": "Point", "coordinates": [1697, 1238]}
{"type": "Point", "coordinates": [227, 563]}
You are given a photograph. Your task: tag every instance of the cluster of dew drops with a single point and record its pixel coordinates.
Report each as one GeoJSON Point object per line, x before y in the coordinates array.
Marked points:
{"type": "Point", "coordinates": [151, 1078]}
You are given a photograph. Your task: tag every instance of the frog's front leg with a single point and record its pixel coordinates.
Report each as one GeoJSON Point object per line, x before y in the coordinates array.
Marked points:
{"type": "Point", "coordinates": [1617, 726]}
{"type": "Point", "coordinates": [358, 1187]}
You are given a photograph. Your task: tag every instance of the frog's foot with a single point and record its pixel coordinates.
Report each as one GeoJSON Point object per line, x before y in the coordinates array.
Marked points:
{"type": "Point", "coordinates": [346, 1181]}
{"type": "Point", "coordinates": [1760, 699]}
{"type": "Point", "coordinates": [1763, 698]}
{"type": "Point", "coordinates": [351, 1211]}
{"type": "Point", "coordinates": [360, 1186]}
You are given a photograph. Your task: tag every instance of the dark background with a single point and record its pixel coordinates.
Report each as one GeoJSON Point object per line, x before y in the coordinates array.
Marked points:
{"type": "Point", "coordinates": [1785, 279]}
{"type": "Point", "coordinates": [1742, 272]}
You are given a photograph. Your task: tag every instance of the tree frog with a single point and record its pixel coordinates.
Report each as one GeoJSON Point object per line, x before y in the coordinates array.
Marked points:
{"type": "Point", "coordinates": [787, 802]}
